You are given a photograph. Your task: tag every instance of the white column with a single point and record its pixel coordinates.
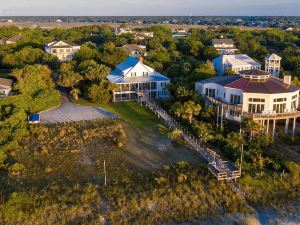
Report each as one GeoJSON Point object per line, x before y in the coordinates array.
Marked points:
{"type": "Point", "coordinates": [218, 111]}
{"type": "Point", "coordinates": [268, 125]}
{"type": "Point", "coordinates": [222, 112]}
{"type": "Point", "coordinates": [294, 126]}
{"type": "Point", "coordinates": [286, 129]}
{"type": "Point", "coordinates": [274, 126]}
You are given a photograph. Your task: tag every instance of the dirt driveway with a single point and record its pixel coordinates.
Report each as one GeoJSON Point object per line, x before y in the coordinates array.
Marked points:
{"type": "Point", "coordinates": [70, 112]}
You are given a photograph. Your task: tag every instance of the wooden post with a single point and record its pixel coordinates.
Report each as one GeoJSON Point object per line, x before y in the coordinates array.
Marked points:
{"type": "Point", "coordinates": [241, 159]}
{"type": "Point", "coordinates": [104, 173]}
{"type": "Point", "coordinates": [286, 129]}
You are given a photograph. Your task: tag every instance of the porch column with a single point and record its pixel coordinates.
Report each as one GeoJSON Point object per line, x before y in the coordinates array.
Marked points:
{"type": "Point", "coordinates": [218, 111]}
{"type": "Point", "coordinates": [294, 126]}
{"type": "Point", "coordinates": [268, 125]}
{"type": "Point", "coordinates": [286, 129]}
{"type": "Point", "coordinates": [222, 111]}
{"type": "Point", "coordinates": [274, 126]}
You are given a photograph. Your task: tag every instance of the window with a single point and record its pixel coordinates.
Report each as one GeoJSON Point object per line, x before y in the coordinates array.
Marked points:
{"type": "Point", "coordinates": [153, 85]}
{"type": "Point", "coordinates": [145, 73]}
{"type": "Point", "coordinates": [280, 100]}
{"type": "Point", "coordinates": [294, 105]}
{"type": "Point", "coordinates": [235, 99]}
{"type": "Point", "coordinates": [294, 97]}
{"type": "Point", "coordinates": [234, 113]}
{"type": "Point", "coordinates": [256, 100]}
{"type": "Point", "coordinates": [210, 92]}
{"type": "Point", "coordinates": [279, 108]}
{"type": "Point", "coordinates": [256, 105]}
{"type": "Point", "coordinates": [133, 74]}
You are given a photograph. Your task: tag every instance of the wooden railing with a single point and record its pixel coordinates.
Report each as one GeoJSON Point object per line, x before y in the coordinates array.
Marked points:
{"type": "Point", "coordinates": [222, 170]}
{"type": "Point", "coordinates": [254, 116]}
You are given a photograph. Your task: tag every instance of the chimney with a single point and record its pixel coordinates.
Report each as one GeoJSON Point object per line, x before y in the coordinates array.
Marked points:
{"type": "Point", "coordinates": [287, 80]}
{"type": "Point", "coordinates": [141, 60]}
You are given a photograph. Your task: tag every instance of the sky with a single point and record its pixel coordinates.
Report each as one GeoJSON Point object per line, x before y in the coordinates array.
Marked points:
{"type": "Point", "coordinates": [149, 7]}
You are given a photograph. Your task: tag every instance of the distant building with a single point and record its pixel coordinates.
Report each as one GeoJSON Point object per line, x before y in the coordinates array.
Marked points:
{"type": "Point", "coordinates": [135, 50]}
{"type": "Point", "coordinates": [11, 40]}
{"type": "Point", "coordinates": [143, 35]}
{"type": "Point", "coordinates": [119, 31]}
{"type": "Point", "coordinates": [180, 33]}
{"type": "Point", "coordinates": [224, 46]}
{"type": "Point", "coordinates": [134, 77]}
{"type": "Point", "coordinates": [5, 87]}
{"type": "Point", "coordinates": [289, 29]}
{"type": "Point", "coordinates": [236, 63]}
{"type": "Point", "coordinates": [253, 94]}
{"type": "Point", "coordinates": [64, 50]}
{"type": "Point", "coordinates": [272, 64]}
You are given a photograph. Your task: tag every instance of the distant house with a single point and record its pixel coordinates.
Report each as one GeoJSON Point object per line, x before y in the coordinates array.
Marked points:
{"type": "Point", "coordinates": [143, 35]}
{"type": "Point", "coordinates": [289, 29]}
{"type": "Point", "coordinates": [224, 46]}
{"type": "Point", "coordinates": [236, 63]}
{"type": "Point", "coordinates": [272, 64]}
{"type": "Point", "coordinates": [133, 77]}
{"type": "Point", "coordinates": [119, 31]}
{"type": "Point", "coordinates": [180, 33]}
{"type": "Point", "coordinates": [135, 50]}
{"type": "Point", "coordinates": [11, 40]}
{"type": "Point", "coordinates": [64, 50]}
{"type": "Point", "coordinates": [5, 87]}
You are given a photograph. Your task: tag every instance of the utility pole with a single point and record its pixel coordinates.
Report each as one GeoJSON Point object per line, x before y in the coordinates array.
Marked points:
{"type": "Point", "coordinates": [104, 173]}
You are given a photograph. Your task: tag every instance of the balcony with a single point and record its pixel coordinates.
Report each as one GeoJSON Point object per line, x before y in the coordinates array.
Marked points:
{"type": "Point", "coordinates": [272, 115]}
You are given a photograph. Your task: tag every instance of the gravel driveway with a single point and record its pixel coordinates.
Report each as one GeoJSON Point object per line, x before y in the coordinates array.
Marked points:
{"type": "Point", "coordinates": [70, 112]}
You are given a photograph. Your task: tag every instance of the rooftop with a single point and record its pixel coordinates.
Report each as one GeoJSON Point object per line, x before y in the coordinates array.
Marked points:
{"type": "Point", "coordinates": [222, 41]}
{"type": "Point", "coordinates": [6, 82]}
{"type": "Point", "coordinates": [273, 57]}
{"type": "Point", "coordinates": [239, 60]}
{"type": "Point", "coordinates": [268, 85]}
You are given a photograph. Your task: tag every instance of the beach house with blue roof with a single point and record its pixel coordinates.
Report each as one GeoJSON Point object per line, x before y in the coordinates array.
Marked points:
{"type": "Point", "coordinates": [133, 77]}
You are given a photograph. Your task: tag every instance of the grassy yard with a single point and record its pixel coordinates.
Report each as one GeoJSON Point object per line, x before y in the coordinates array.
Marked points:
{"type": "Point", "coordinates": [148, 146]}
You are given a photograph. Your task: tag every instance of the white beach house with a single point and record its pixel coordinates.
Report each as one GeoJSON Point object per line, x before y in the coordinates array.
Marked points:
{"type": "Point", "coordinates": [64, 50]}
{"type": "Point", "coordinates": [133, 77]}
{"type": "Point", "coordinates": [253, 94]}
{"type": "Point", "coordinates": [236, 63]}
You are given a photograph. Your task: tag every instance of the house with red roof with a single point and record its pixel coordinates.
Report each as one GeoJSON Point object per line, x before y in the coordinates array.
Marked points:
{"type": "Point", "coordinates": [254, 94]}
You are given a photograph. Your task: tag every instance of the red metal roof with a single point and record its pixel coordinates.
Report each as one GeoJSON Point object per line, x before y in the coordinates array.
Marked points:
{"type": "Point", "coordinates": [239, 84]}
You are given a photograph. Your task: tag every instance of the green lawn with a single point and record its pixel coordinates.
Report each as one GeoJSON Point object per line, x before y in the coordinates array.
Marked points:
{"type": "Point", "coordinates": [131, 112]}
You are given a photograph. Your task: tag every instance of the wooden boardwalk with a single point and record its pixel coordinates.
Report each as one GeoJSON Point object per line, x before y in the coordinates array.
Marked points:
{"type": "Point", "coordinates": [222, 170]}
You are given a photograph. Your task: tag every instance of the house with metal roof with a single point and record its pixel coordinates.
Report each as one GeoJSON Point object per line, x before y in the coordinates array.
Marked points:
{"type": "Point", "coordinates": [224, 46]}
{"type": "Point", "coordinates": [11, 40]}
{"type": "Point", "coordinates": [253, 94]}
{"type": "Point", "coordinates": [5, 87]}
{"type": "Point", "coordinates": [134, 77]}
{"type": "Point", "coordinates": [236, 63]}
{"type": "Point", "coordinates": [64, 50]}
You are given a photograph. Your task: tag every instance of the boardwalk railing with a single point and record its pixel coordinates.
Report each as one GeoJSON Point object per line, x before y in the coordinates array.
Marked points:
{"type": "Point", "coordinates": [222, 170]}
